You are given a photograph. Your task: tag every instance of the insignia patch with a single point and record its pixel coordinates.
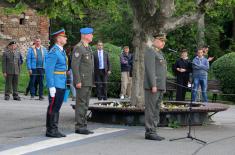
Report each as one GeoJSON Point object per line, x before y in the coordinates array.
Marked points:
{"type": "Point", "coordinates": [76, 54]}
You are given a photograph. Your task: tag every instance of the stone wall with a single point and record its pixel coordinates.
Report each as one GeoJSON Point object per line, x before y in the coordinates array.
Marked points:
{"type": "Point", "coordinates": [23, 28]}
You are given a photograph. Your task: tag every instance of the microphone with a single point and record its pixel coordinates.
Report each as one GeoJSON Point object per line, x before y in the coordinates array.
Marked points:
{"type": "Point", "coordinates": [169, 49]}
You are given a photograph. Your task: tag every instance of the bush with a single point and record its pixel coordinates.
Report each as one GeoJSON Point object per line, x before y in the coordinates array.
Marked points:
{"type": "Point", "coordinates": [224, 70]}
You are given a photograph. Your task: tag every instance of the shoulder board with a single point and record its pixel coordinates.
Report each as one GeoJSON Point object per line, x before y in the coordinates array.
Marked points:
{"type": "Point", "coordinates": [52, 50]}
{"type": "Point", "coordinates": [79, 44]}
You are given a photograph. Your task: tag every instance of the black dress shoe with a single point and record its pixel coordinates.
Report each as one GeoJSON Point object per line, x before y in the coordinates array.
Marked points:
{"type": "Point", "coordinates": [53, 134]}
{"type": "Point", "coordinates": [41, 98]}
{"type": "Point", "coordinates": [154, 136]}
{"type": "Point", "coordinates": [17, 98]}
{"type": "Point", "coordinates": [6, 98]}
{"type": "Point", "coordinates": [83, 131]}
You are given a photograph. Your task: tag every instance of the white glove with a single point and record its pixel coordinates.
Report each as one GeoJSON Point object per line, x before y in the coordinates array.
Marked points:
{"type": "Point", "coordinates": [52, 91]}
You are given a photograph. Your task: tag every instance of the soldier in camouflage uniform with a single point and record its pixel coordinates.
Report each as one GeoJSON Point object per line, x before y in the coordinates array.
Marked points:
{"type": "Point", "coordinates": [155, 85]}
{"type": "Point", "coordinates": [11, 65]}
{"type": "Point", "coordinates": [82, 68]}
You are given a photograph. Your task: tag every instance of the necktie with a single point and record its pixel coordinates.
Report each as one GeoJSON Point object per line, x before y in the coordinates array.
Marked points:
{"type": "Point", "coordinates": [100, 60]}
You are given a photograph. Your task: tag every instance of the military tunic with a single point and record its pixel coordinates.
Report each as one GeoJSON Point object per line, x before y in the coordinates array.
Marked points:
{"type": "Point", "coordinates": [11, 65]}
{"type": "Point", "coordinates": [155, 76]}
{"type": "Point", "coordinates": [82, 67]}
{"type": "Point", "coordinates": [55, 69]}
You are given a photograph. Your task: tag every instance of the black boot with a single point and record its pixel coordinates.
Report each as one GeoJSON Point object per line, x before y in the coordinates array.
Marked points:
{"type": "Point", "coordinates": [56, 119]}
{"type": "Point", "coordinates": [52, 126]}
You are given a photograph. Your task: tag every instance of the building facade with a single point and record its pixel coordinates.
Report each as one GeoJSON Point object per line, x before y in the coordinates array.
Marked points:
{"type": "Point", "coordinates": [23, 28]}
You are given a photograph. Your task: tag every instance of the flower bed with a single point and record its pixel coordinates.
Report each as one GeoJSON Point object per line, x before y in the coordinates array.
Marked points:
{"type": "Point", "coordinates": [123, 113]}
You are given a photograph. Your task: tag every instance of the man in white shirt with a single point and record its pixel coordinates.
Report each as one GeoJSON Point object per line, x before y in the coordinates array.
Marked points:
{"type": "Point", "coordinates": [101, 69]}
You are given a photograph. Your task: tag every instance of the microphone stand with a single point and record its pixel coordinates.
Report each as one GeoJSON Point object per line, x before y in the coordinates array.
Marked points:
{"type": "Point", "coordinates": [190, 120]}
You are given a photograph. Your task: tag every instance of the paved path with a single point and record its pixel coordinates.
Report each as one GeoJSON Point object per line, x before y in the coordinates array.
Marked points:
{"type": "Point", "coordinates": [22, 129]}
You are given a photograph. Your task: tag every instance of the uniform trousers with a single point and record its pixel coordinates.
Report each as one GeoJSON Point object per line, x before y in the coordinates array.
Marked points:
{"type": "Point", "coordinates": [152, 110]}
{"type": "Point", "coordinates": [56, 102]}
{"type": "Point", "coordinates": [82, 102]}
{"type": "Point", "coordinates": [11, 82]}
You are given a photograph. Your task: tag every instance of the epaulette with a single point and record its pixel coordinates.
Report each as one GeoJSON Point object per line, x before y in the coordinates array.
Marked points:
{"type": "Point", "coordinates": [79, 44]}
{"type": "Point", "coordinates": [52, 50]}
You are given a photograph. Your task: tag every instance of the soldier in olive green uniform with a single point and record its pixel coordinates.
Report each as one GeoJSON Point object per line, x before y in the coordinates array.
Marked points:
{"type": "Point", "coordinates": [11, 69]}
{"type": "Point", "coordinates": [82, 68]}
{"type": "Point", "coordinates": [155, 85]}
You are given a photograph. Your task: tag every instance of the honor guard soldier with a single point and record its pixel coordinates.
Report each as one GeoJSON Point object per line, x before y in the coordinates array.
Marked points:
{"type": "Point", "coordinates": [55, 68]}
{"type": "Point", "coordinates": [11, 65]}
{"type": "Point", "coordinates": [82, 68]}
{"type": "Point", "coordinates": [154, 84]}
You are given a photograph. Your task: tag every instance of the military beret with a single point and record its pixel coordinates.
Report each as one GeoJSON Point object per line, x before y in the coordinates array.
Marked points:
{"type": "Point", "coordinates": [11, 43]}
{"type": "Point", "coordinates": [59, 33]}
{"type": "Point", "coordinates": [86, 30]}
{"type": "Point", "coordinates": [160, 36]}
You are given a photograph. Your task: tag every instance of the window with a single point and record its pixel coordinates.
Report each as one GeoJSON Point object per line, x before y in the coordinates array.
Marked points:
{"type": "Point", "coordinates": [22, 19]}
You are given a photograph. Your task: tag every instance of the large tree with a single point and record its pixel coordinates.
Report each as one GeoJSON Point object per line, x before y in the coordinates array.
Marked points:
{"type": "Point", "coordinates": [149, 17]}
{"type": "Point", "coordinates": [156, 16]}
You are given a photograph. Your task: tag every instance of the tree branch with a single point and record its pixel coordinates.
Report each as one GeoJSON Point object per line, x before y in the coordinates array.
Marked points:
{"type": "Point", "coordinates": [167, 8]}
{"type": "Point", "coordinates": [173, 23]}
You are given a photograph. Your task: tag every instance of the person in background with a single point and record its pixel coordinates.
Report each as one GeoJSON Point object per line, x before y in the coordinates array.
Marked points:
{"type": "Point", "coordinates": [102, 69]}
{"type": "Point", "coordinates": [55, 69]}
{"type": "Point", "coordinates": [11, 66]}
{"type": "Point", "coordinates": [205, 53]}
{"type": "Point", "coordinates": [182, 68]}
{"type": "Point", "coordinates": [126, 60]}
{"type": "Point", "coordinates": [200, 67]}
{"type": "Point", "coordinates": [70, 74]}
{"type": "Point", "coordinates": [36, 66]}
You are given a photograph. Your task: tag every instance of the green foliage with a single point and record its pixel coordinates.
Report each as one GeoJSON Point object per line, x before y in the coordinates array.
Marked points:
{"type": "Point", "coordinates": [114, 79]}
{"type": "Point", "coordinates": [18, 9]}
{"type": "Point", "coordinates": [173, 123]}
{"type": "Point", "coordinates": [223, 69]}
{"type": "Point", "coordinates": [183, 6]}
{"type": "Point", "coordinates": [117, 31]}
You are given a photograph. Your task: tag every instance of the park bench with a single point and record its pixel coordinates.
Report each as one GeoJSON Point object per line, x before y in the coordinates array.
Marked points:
{"type": "Point", "coordinates": [214, 87]}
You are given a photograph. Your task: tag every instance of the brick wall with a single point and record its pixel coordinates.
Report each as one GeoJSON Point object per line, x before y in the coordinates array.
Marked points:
{"type": "Point", "coordinates": [23, 28]}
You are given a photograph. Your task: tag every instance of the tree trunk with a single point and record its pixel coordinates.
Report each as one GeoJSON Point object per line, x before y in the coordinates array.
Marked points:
{"type": "Point", "coordinates": [233, 24]}
{"type": "Point", "coordinates": [200, 28]}
{"type": "Point", "coordinates": [201, 31]}
{"type": "Point", "coordinates": [137, 96]}
{"type": "Point", "coordinates": [149, 19]}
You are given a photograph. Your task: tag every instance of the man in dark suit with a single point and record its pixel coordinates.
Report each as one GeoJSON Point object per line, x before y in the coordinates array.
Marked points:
{"type": "Point", "coordinates": [102, 70]}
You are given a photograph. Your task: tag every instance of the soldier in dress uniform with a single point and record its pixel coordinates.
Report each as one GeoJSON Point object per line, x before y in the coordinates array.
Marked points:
{"type": "Point", "coordinates": [11, 65]}
{"type": "Point", "coordinates": [82, 68]}
{"type": "Point", "coordinates": [154, 84]}
{"type": "Point", "coordinates": [55, 69]}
